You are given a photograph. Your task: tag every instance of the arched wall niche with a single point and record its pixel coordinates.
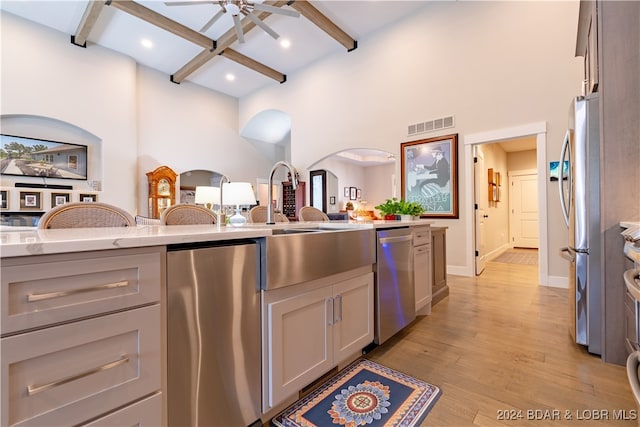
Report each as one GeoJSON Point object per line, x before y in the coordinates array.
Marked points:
{"type": "Point", "coordinates": [371, 171]}
{"type": "Point", "coordinates": [48, 128]}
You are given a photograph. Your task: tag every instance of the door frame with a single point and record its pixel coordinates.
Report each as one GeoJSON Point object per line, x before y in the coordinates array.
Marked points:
{"type": "Point", "coordinates": [539, 129]}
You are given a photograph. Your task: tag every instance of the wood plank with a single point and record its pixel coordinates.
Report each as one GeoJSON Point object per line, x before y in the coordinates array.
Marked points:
{"type": "Point", "coordinates": [500, 341]}
{"type": "Point", "coordinates": [87, 22]}
{"type": "Point", "coordinates": [307, 10]}
{"type": "Point", "coordinates": [228, 38]}
{"type": "Point", "coordinates": [254, 65]}
{"type": "Point", "coordinates": [148, 15]}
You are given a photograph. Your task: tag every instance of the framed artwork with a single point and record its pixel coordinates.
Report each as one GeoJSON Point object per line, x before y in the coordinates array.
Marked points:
{"type": "Point", "coordinates": [490, 176]}
{"type": "Point", "coordinates": [88, 197]}
{"type": "Point", "coordinates": [332, 200]}
{"type": "Point", "coordinates": [4, 199]}
{"type": "Point", "coordinates": [359, 193]}
{"type": "Point", "coordinates": [353, 193]}
{"type": "Point", "coordinates": [429, 175]}
{"type": "Point", "coordinates": [58, 199]}
{"type": "Point", "coordinates": [30, 200]}
{"type": "Point", "coordinates": [346, 192]}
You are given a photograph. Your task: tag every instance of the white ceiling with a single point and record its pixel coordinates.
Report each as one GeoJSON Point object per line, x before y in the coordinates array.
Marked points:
{"type": "Point", "coordinates": [122, 32]}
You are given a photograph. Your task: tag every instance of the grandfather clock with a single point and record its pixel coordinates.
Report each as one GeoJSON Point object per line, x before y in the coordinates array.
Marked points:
{"type": "Point", "coordinates": [162, 190]}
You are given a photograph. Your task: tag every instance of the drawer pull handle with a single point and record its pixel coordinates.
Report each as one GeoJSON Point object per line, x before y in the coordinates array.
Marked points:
{"type": "Point", "coordinates": [33, 389]}
{"type": "Point", "coordinates": [58, 294]}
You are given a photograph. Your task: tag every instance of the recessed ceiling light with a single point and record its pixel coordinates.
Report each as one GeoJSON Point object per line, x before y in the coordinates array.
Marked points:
{"type": "Point", "coordinates": [230, 77]}
{"type": "Point", "coordinates": [146, 43]}
{"type": "Point", "coordinates": [285, 43]}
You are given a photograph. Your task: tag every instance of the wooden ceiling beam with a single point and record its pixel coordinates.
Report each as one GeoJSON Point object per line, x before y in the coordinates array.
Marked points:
{"type": "Point", "coordinates": [87, 22]}
{"type": "Point", "coordinates": [254, 65]}
{"type": "Point", "coordinates": [148, 15]}
{"type": "Point", "coordinates": [223, 44]}
{"type": "Point", "coordinates": [307, 10]}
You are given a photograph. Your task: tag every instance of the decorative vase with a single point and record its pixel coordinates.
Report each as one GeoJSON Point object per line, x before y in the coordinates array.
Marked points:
{"type": "Point", "coordinates": [390, 217]}
{"type": "Point", "coordinates": [404, 217]}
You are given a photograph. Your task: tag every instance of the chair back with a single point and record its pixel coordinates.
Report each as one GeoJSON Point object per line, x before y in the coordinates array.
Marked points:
{"type": "Point", "coordinates": [183, 214]}
{"type": "Point", "coordinates": [145, 220]}
{"type": "Point", "coordinates": [309, 213]}
{"type": "Point", "coordinates": [258, 214]}
{"type": "Point", "coordinates": [85, 215]}
{"type": "Point", "coordinates": [633, 374]}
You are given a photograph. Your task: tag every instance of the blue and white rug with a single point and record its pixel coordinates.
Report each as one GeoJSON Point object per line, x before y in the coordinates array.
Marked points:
{"type": "Point", "coordinates": [363, 394]}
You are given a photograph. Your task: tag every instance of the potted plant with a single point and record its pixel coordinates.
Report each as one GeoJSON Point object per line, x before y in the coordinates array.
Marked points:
{"type": "Point", "coordinates": [408, 210]}
{"type": "Point", "coordinates": [389, 209]}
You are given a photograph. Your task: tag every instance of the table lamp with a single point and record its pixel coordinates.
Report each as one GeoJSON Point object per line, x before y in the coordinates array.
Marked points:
{"type": "Point", "coordinates": [207, 196]}
{"type": "Point", "coordinates": [236, 194]}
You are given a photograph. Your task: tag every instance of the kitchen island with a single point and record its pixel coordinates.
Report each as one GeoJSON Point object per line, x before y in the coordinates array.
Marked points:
{"type": "Point", "coordinates": [84, 319]}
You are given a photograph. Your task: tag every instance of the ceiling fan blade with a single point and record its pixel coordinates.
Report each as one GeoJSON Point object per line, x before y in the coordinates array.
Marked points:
{"type": "Point", "coordinates": [238, 26]}
{"type": "Point", "coordinates": [185, 3]}
{"type": "Point", "coordinates": [211, 21]}
{"type": "Point", "coordinates": [278, 10]}
{"type": "Point", "coordinates": [262, 25]}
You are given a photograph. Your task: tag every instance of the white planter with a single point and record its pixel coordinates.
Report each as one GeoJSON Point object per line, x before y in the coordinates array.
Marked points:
{"type": "Point", "coordinates": [406, 217]}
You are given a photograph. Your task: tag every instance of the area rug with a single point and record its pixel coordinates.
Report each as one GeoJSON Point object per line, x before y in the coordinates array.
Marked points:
{"type": "Point", "coordinates": [516, 257]}
{"type": "Point", "coordinates": [364, 393]}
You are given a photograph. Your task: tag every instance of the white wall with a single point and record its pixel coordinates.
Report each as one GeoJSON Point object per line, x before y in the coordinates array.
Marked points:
{"type": "Point", "coordinates": [493, 65]}
{"type": "Point", "coordinates": [139, 117]}
{"type": "Point", "coordinates": [46, 78]}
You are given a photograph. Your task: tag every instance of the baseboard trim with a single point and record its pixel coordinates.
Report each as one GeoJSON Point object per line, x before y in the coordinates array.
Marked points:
{"type": "Point", "coordinates": [557, 282]}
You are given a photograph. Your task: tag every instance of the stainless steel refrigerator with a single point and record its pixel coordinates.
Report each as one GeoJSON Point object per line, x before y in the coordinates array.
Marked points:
{"type": "Point", "coordinates": [579, 185]}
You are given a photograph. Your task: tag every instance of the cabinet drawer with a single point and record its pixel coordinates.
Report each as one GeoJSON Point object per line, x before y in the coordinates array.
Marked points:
{"type": "Point", "coordinates": [421, 235]}
{"type": "Point", "coordinates": [47, 290]}
{"type": "Point", "coordinates": [145, 413]}
{"type": "Point", "coordinates": [67, 374]}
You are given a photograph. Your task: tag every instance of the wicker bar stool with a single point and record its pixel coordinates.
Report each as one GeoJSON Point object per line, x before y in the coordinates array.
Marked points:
{"type": "Point", "coordinates": [85, 215]}
{"type": "Point", "coordinates": [309, 213]}
{"type": "Point", "coordinates": [258, 214]}
{"type": "Point", "coordinates": [183, 214]}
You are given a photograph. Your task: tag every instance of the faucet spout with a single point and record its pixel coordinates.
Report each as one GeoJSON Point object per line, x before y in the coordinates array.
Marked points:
{"type": "Point", "coordinates": [294, 184]}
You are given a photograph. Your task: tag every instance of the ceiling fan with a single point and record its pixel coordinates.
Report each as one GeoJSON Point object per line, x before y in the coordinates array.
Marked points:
{"type": "Point", "coordinates": [237, 7]}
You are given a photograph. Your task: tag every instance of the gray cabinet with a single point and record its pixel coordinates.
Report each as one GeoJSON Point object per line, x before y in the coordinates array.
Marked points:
{"type": "Point", "coordinates": [81, 338]}
{"type": "Point", "coordinates": [422, 268]}
{"type": "Point", "coordinates": [439, 253]}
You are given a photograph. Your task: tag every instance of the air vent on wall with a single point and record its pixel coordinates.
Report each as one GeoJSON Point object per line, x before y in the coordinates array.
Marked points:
{"type": "Point", "coordinates": [431, 125]}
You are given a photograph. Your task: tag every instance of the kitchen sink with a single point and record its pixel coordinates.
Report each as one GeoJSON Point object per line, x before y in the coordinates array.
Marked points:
{"type": "Point", "coordinates": [297, 255]}
{"type": "Point", "coordinates": [279, 231]}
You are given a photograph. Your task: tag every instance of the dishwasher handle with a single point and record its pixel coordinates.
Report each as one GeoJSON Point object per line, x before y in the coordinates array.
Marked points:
{"type": "Point", "coordinates": [395, 239]}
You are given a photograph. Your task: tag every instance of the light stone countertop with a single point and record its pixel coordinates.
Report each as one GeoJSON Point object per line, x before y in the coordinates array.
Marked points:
{"type": "Point", "coordinates": [25, 241]}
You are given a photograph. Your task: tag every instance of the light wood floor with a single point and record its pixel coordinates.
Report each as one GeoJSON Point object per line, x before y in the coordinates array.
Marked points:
{"type": "Point", "coordinates": [500, 342]}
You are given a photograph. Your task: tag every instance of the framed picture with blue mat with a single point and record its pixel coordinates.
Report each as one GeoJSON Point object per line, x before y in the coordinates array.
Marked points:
{"type": "Point", "coordinates": [364, 393]}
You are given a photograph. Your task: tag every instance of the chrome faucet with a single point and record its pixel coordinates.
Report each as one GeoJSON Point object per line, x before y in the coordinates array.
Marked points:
{"type": "Point", "coordinates": [221, 217]}
{"type": "Point", "coordinates": [294, 185]}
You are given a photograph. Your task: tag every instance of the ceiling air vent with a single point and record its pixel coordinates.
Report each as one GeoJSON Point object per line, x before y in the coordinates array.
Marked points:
{"type": "Point", "coordinates": [431, 125]}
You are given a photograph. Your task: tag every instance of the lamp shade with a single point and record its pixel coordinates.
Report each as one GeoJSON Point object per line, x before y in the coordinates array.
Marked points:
{"type": "Point", "coordinates": [208, 196]}
{"type": "Point", "coordinates": [238, 193]}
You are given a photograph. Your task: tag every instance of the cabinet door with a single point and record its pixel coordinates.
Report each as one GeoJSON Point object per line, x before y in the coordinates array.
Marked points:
{"type": "Point", "coordinates": [353, 316]}
{"type": "Point", "coordinates": [299, 338]}
{"type": "Point", "coordinates": [422, 270]}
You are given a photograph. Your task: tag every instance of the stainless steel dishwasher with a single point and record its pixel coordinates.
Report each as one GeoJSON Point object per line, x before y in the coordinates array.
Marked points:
{"type": "Point", "coordinates": [395, 305]}
{"type": "Point", "coordinates": [213, 335]}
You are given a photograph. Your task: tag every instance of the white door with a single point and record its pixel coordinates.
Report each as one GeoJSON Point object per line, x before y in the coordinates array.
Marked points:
{"type": "Point", "coordinates": [481, 199]}
{"type": "Point", "coordinates": [300, 342]}
{"type": "Point", "coordinates": [352, 316]}
{"type": "Point", "coordinates": [523, 208]}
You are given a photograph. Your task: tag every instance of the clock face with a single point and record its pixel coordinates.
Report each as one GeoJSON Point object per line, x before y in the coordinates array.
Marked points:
{"type": "Point", "coordinates": [164, 188]}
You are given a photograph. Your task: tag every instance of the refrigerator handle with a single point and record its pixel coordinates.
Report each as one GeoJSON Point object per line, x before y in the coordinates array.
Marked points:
{"type": "Point", "coordinates": [566, 254]}
{"type": "Point", "coordinates": [564, 204]}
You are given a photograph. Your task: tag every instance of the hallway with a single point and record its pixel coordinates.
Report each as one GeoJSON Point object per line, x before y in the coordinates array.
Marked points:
{"type": "Point", "coordinates": [499, 342]}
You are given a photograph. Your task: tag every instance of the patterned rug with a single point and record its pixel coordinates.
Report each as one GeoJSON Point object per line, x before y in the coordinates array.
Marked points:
{"type": "Point", "coordinates": [529, 257]}
{"type": "Point", "coordinates": [363, 394]}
